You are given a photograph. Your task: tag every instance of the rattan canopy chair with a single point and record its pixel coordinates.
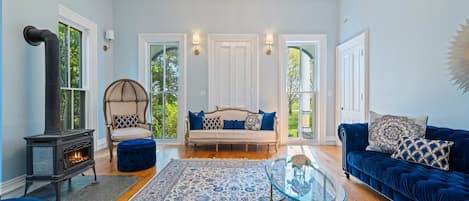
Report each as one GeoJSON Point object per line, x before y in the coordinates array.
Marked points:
{"type": "Point", "coordinates": [125, 106]}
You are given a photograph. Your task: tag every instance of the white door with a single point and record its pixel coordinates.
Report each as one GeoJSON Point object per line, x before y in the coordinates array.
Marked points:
{"type": "Point", "coordinates": [352, 80]}
{"type": "Point", "coordinates": [233, 71]}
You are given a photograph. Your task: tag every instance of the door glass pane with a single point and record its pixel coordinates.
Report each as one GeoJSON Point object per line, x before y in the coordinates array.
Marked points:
{"type": "Point", "coordinates": [164, 89]}
{"type": "Point", "coordinates": [301, 91]}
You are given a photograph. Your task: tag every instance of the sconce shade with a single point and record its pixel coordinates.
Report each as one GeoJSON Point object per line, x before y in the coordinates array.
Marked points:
{"type": "Point", "coordinates": [195, 39]}
{"type": "Point", "coordinates": [269, 39]}
{"type": "Point", "coordinates": [109, 35]}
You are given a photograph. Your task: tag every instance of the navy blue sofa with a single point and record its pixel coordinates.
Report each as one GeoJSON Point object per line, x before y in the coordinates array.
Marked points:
{"type": "Point", "coordinates": [401, 180]}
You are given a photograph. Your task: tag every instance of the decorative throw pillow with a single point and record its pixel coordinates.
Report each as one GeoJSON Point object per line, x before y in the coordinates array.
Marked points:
{"type": "Point", "coordinates": [253, 122]}
{"type": "Point", "coordinates": [125, 121]}
{"type": "Point", "coordinates": [267, 120]}
{"type": "Point", "coordinates": [233, 124]}
{"type": "Point", "coordinates": [384, 131]}
{"type": "Point", "coordinates": [196, 120]}
{"type": "Point", "coordinates": [212, 123]}
{"type": "Point", "coordinates": [433, 153]}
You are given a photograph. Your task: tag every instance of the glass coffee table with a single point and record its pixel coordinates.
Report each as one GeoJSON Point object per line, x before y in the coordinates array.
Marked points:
{"type": "Point", "coordinates": [305, 183]}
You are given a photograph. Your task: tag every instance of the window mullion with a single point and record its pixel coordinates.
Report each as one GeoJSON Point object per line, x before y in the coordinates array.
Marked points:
{"type": "Point", "coordinates": [72, 112]}
{"type": "Point", "coordinates": [164, 92]}
{"type": "Point", "coordinates": [68, 56]}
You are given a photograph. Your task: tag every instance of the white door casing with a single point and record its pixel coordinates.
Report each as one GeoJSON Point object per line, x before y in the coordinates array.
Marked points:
{"type": "Point", "coordinates": [352, 80]}
{"type": "Point", "coordinates": [233, 71]}
{"type": "Point", "coordinates": [320, 40]}
{"type": "Point", "coordinates": [144, 42]}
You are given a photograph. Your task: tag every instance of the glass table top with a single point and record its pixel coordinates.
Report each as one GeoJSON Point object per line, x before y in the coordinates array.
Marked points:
{"type": "Point", "coordinates": [307, 182]}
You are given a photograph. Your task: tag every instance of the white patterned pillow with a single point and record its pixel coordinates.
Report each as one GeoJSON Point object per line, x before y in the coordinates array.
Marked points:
{"type": "Point", "coordinates": [212, 123]}
{"type": "Point", "coordinates": [253, 122]}
{"type": "Point", "coordinates": [433, 153]}
{"type": "Point", "coordinates": [125, 121]}
{"type": "Point", "coordinates": [385, 131]}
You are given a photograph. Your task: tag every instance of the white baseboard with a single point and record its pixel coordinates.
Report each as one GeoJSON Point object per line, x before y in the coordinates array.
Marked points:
{"type": "Point", "coordinates": [331, 140]}
{"type": "Point", "coordinates": [15, 187]}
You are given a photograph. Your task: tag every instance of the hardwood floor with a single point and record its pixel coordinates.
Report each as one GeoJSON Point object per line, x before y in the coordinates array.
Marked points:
{"type": "Point", "coordinates": [328, 158]}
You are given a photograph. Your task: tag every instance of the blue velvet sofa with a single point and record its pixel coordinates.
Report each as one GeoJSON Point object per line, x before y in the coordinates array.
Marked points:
{"type": "Point", "coordinates": [401, 180]}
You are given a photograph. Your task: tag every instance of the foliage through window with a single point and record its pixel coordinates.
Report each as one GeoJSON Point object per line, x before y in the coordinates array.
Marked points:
{"type": "Point", "coordinates": [71, 76]}
{"type": "Point", "coordinates": [164, 89]}
{"type": "Point", "coordinates": [300, 91]}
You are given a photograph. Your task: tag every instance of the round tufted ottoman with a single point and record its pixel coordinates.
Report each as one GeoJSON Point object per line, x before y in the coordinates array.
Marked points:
{"type": "Point", "coordinates": [134, 155]}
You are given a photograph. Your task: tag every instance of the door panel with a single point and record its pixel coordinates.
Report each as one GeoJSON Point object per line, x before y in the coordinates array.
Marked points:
{"type": "Point", "coordinates": [352, 78]}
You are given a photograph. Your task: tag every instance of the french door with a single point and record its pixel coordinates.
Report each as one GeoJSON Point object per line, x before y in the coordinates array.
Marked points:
{"type": "Point", "coordinates": [164, 89]}
{"type": "Point", "coordinates": [301, 93]}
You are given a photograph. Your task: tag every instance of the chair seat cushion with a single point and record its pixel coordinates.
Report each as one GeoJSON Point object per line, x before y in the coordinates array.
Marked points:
{"type": "Point", "coordinates": [129, 133]}
{"type": "Point", "coordinates": [413, 180]}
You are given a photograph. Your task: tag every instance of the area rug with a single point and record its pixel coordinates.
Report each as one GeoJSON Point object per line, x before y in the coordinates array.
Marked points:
{"type": "Point", "coordinates": [204, 180]}
{"type": "Point", "coordinates": [82, 188]}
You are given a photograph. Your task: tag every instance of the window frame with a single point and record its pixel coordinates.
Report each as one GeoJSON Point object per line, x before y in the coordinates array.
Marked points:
{"type": "Point", "coordinates": [89, 69]}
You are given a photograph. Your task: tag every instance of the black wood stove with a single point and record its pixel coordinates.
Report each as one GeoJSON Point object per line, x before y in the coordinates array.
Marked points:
{"type": "Point", "coordinates": [56, 155]}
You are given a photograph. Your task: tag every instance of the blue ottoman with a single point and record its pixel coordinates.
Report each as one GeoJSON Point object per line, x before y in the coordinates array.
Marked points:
{"type": "Point", "coordinates": [135, 155]}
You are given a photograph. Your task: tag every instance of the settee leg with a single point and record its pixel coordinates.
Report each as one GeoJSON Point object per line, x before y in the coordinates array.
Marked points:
{"type": "Point", "coordinates": [216, 147]}
{"type": "Point", "coordinates": [246, 147]}
{"type": "Point", "coordinates": [195, 147]}
{"type": "Point", "coordinates": [268, 148]}
{"type": "Point", "coordinates": [347, 175]}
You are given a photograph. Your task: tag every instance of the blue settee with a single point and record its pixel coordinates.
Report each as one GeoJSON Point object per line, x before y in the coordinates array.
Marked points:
{"type": "Point", "coordinates": [401, 180]}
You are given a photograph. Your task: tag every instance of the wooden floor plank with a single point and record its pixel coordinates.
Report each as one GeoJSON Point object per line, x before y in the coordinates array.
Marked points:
{"type": "Point", "coordinates": [327, 157]}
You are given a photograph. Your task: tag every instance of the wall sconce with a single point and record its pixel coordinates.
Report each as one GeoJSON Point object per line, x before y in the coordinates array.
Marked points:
{"type": "Point", "coordinates": [269, 41]}
{"type": "Point", "coordinates": [109, 36]}
{"type": "Point", "coordinates": [195, 43]}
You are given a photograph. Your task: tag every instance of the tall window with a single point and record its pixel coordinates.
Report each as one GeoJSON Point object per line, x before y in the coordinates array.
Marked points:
{"type": "Point", "coordinates": [164, 89]}
{"type": "Point", "coordinates": [71, 73]}
{"type": "Point", "coordinates": [301, 91]}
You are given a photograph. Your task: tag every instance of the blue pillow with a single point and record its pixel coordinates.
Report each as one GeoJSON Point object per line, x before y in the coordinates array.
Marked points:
{"type": "Point", "coordinates": [196, 120]}
{"type": "Point", "coordinates": [267, 120]}
{"type": "Point", "coordinates": [233, 124]}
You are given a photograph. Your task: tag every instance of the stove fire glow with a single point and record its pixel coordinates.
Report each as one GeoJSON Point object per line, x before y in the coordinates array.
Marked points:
{"type": "Point", "coordinates": [76, 157]}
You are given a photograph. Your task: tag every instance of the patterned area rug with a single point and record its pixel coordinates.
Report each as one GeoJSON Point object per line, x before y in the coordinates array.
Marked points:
{"type": "Point", "coordinates": [204, 180]}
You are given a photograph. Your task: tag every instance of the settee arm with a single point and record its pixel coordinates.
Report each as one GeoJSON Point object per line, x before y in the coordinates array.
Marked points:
{"type": "Point", "coordinates": [354, 137]}
{"type": "Point", "coordinates": [187, 127]}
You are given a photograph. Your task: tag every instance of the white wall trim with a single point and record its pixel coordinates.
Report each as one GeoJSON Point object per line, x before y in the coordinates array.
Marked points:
{"type": "Point", "coordinates": [321, 99]}
{"type": "Point", "coordinates": [212, 39]}
{"type": "Point", "coordinates": [359, 39]}
{"type": "Point", "coordinates": [15, 187]}
{"type": "Point", "coordinates": [146, 39]}
{"type": "Point", "coordinates": [102, 144]}
{"type": "Point", "coordinates": [90, 65]}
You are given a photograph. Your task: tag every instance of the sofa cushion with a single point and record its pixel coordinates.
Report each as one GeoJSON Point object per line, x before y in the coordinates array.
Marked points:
{"type": "Point", "coordinates": [433, 153]}
{"type": "Point", "coordinates": [385, 131]}
{"type": "Point", "coordinates": [233, 135]}
{"type": "Point", "coordinates": [196, 120]}
{"type": "Point", "coordinates": [459, 154]}
{"type": "Point", "coordinates": [412, 180]}
{"type": "Point", "coordinates": [268, 120]}
{"type": "Point", "coordinates": [253, 122]}
{"type": "Point", "coordinates": [211, 123]}
{"type": "Point", "coordinates": [233, 124]}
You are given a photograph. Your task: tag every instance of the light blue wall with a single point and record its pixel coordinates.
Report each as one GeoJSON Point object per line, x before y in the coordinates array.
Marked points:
{"type": "Point", "coordinates": [22, 79]}
{"type": "Point", "coordinates": [409, 42]}
{"type": "Point", "coordinates": [100, 12]}
{"type": "Point", "coordinates": [1, 78]}
{"type": "Point", "coordinates": [226, 16]}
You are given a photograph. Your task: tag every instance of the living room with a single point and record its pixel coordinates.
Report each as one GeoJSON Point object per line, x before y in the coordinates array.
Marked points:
{"type": "Point", "coordinates": [233, 92]}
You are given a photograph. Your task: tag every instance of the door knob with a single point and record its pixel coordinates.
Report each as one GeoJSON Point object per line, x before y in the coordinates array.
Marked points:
{"type": "Point", "coordinates": [342, 108]}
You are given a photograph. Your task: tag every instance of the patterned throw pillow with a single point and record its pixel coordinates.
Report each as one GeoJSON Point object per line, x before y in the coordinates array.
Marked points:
{"type": "Point", "coordinates": [125, 121]}
{"type": "Point", "coordinates": [253, 122]}
{"type": "Point", "coordinates": [433, 153]}
{"type": "Point", "coordinates": [384, 131]}
{"type": "Point", "coordinates": [212, 123]}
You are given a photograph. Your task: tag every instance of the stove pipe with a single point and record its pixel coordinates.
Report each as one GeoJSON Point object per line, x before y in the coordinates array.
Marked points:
{"type": "Point", "coordinates": [34, 37]}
